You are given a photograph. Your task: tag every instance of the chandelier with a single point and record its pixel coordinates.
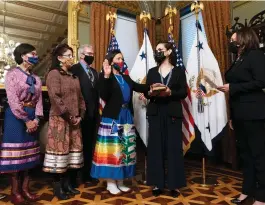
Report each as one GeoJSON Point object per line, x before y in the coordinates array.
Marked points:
{"type": "Point", "coordinates": [7, 47]}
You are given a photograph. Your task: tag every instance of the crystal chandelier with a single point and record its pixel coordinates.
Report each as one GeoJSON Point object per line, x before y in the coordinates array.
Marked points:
{"type": "Point", "coordinates": [7, 46]}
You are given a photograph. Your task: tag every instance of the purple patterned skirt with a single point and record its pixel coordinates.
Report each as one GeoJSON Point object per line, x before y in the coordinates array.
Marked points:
{"type": "Point", "coordinates": [19, 150]}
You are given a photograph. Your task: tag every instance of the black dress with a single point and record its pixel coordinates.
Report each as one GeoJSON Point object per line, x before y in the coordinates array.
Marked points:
{"type": "Point", "coordinates": [246, 78]}
{"type": "Point", "coordinates": [165, 132]}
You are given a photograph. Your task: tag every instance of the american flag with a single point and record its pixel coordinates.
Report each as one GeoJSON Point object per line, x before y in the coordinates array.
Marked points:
{"type": "Point", "coordinates": [113, 45]}
{"type": "Point", "coordinates": [188, 121]}
{"type": "Point", "coordinates": [199, 93]}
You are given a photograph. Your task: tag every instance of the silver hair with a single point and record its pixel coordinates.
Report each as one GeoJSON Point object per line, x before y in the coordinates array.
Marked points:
{"type": "Point", "coordinates": [82, 47]}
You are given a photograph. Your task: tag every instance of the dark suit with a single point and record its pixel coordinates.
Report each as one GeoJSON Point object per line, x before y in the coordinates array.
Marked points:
{"type": "Point", "coordinates": [90, 122]}
{"type": "Point", "coordinates": [165, 131]}
{"type": "Point", "coordinates": [111, 93]}
{"type": "Point", "coordinates": [246, 78]}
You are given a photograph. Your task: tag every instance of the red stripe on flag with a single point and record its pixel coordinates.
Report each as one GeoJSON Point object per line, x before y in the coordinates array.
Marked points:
{"type": "Point", "coordinates": [189, 93]}
{"type": "Point", "coordinates": [186, 124]}
{"type": "Point", "coordinates": [185, 105]}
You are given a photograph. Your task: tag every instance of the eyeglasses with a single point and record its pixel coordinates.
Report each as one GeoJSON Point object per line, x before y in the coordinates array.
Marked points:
{"type": "Point", "coordinates": [88, 54]}
{"type": "Point", "coordinates": [68, 56]}
{"type": "Point", "coordinates": [33, 54]}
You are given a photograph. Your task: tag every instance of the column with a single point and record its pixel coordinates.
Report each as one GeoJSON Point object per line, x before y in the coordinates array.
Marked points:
{"type": "Point", "coordinates": [73, 10]}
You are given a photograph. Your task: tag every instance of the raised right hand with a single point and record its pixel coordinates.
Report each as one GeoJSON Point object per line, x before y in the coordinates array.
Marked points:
{"type": "Point", "coordinates": [106, 68]}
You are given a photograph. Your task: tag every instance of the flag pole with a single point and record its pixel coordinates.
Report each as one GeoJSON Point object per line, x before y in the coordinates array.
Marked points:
{"type": "Point", "coordinates": [145, 16]}
{"type": "Point", "coordinates": [204, 181]}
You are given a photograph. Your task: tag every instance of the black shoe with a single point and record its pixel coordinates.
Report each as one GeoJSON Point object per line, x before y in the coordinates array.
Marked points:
{"type": "Point", "coordinates": [93, 180]}
{"type": "Point", "coordinates": [156, 192]}
{"type": "Point", "coordinates": [237, 201]}
{"type": "Point", "coordinates": [67, 186]}
{"type": "Point", "coordinates": [90, 180]}
{"type": "Point", "coordinates": [59, 192]}
{"type": "Point", "coordinates": [174, 193]}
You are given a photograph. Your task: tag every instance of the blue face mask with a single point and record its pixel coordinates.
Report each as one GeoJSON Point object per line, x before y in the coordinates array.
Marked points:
{"type": "Point", "coordinates": [33, 60]}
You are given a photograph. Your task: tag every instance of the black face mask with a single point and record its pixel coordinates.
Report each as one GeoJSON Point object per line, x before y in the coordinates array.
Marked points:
{"type": "Point", "coordinates": [233, 47]}
{"type": "Point", "coordinates": [89, 59]}
{"type": "Point", "coordinates": [159, 56]}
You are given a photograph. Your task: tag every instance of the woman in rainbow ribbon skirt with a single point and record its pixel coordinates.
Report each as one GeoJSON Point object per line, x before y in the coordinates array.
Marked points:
{"type": "Point", "coordinates": [114, 156]}
{"type": "Point", "coordinates": [19, 149]}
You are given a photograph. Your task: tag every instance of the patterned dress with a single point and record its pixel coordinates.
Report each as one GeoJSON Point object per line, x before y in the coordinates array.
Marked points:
{"type": "Point", "coordinates": [20, 150]}
{"type": "Point", "coordinates": [115, 156]}
{"type": "Point", "coordinates": [64, 148]}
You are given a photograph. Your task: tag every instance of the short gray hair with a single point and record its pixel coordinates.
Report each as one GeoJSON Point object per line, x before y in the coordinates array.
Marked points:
{"type": "Point", "coordinates": [82, 47]}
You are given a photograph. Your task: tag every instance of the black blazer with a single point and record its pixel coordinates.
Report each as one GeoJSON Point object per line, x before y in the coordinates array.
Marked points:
{"type": "Point", "coordinates": [246, 79]}
{"type": "Point", "coordinates": [111, 93]}
{"type": "Point", "coordinates": [89, 91]}
{"type": "Point", "coordinates": [178, 86]}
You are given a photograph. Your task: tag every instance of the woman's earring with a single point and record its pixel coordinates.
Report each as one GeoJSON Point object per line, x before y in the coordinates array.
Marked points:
{"type": "Point", "coordinates": [61, 64]}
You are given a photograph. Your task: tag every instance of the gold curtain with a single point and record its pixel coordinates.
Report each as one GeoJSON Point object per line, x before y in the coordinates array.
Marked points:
{"type": "Point", "coordinates": [100, 32]}
{"type": "Point", "coordinates": [216, 16]}
{"type": "Point", "coordinates": [165, 26]}
{"type": "Point", "coordinates": [151, 31]}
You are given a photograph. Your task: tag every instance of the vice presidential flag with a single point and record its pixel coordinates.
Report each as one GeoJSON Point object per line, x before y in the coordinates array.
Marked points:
{"type": "Point", "coordinates": [208, 104]}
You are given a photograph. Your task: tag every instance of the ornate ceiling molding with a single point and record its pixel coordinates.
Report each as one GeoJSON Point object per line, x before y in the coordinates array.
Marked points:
{"type": "Point", "coordinates": [83, 11]}
{"type": "Point", "coordinates": [17, 16]}
{"type": "Point", "coordinates": [239, 3]}
{"type": "Point", "coordinates": [7, 25]}
{"type": "Point", "coordinates": [26, 37]}
{"type": "Point", "coordinates": [37, 7]}
{"type": "Point", "coordinates": [128, 6]}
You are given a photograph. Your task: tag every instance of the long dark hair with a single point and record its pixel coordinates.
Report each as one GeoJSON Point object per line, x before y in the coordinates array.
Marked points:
{"type": "Point", "coordinates": [59, 50]}
{"type": "Point", "coordinates": [247, 39]}
{"type": "Point", "coordinates": [110, 56]}
{"type": "Point", "coordinates": [172, 57]}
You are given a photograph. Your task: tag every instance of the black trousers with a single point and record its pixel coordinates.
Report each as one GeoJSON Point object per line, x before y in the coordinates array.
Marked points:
{"type": "Point", "coordinates": [250, 137]}
{"type": "Point", "coordinates": [165, 142]}
{"type": "Point", "coordinates": [89, 132]}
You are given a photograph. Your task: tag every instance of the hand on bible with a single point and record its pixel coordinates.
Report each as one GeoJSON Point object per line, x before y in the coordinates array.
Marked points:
{"type": "Point", "coordinates": [156, 89]}
{"type": "Point", "coordinates": [106, 68]}
{"type": "Point", "coordinates": [152, 92]}
{"type": "Point", "coordinates": [165, 93]}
